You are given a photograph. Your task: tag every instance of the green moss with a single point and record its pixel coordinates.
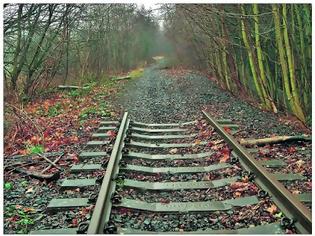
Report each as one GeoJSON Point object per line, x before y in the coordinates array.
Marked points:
{"type": "Point", "coordinates": [137, 73]}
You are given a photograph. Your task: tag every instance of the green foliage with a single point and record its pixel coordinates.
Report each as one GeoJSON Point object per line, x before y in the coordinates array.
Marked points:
{"type": "Point", "coordinates": [279, 215]}
{"type": "Point", "coordinates": [74, 93]}
{"type": "Point", "coordinates": [120, 183]}
{"type": "Point", "coordinates": [88, 79]}
{"type": "Point", "coordinates": [89, 112]}
{"type": "Point", "coordinates": [23, 217]}
{"type": "Point", "coordinates": [55, 110]}
{"type": "Point", "coordinates": [87, 88]}
{"type": "Point", "coordinates": [8, 186]}
{"type": "Point", "coordinates": [37, 149]}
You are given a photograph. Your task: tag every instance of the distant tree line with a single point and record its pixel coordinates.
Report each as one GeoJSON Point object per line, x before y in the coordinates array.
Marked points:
{"type": "Point", "coordinates": [259, 50]}
{"type": "Point", "coordinates": [45, 42]}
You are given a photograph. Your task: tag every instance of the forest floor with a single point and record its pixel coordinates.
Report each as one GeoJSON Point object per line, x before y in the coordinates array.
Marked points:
{"type": "Point", "coordinates": [160, 96]}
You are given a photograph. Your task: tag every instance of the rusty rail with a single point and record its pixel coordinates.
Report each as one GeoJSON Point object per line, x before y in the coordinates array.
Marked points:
{"type": "Point", "coordinates": [286, 201]}
{"type": "Point", "coordinates": [103, 204]}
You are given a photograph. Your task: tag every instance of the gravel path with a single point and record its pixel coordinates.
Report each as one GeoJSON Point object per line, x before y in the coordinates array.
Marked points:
{"type": "Point", "coordinates": [161, 96]}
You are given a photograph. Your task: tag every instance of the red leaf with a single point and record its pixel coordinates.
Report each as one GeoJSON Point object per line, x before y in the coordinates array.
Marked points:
{"type": "Point", "coordinates": [226, 155]}
{"type": "Point", "coordinates": [291, 150]}
{"type": "Point", "coordinates": [74, 222]}
{"type": "Point", "coordinates": [227, 129]}
{"type": "Point", "coordinates": [111, 133]}
{"type": "Point", "coordinates": [35, 140]}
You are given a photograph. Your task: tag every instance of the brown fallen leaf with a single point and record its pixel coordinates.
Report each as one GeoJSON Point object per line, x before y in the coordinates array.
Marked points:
{"type": "Point", "coordinates": [300, 163]}
{"type": "Point", "coordinates": [29, 209]}
{"type": "Point", "coordinates": [291, 150]}
{"type": "Point", "coordinates": [225, 158]}
{"type": "Point", "coordinates": [237, 185]}
{"type": "Point", "coordinates": [197, 142]}
{"type": "Point", "coordinates": [296, 192]}
{"type": "Point", "coordinates": [272, 209]}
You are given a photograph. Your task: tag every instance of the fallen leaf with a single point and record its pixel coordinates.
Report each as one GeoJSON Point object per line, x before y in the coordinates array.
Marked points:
{"type": "Point", "coordinates": [209, 144]}
{"type": "Point", "coordinates": [226, 155]}
{"type": "Point", "coordinates": [197, 142]}
{"type": "Point", "coordinates": [272, 209]}
{"type": "Point", "coordinates": [29, 209]}
{"type": "Point", "coordinates": [35, 140]}
{"type": "Point", "coordinates": [111, 133]}
{"type": "Point", "coordinates": [237, 194]}
{"type": "Point", "coordinates": [74, 139]}
{"type": "Point", "coordinates": [218, 141]}
{"type": "Point", "coordinates": [23, 152]}
{"type": "Point", "coordinates": [227, 130]}
{"type": "Point", "coordinates": [30, 190]}
{"type": "Point", "coordinates": [245, 179]}
{"type": "Point", "coordinates": [237, 185]}
{"type": "Point", "coordinates": [173, 151]}
{"type": "Point", "coordinates": [225, 158]}
{"type": "Point", "coordinates": [296, 192]}
{"type": "Point", "coordinates": [217, 147]}
{"type": "Point", "coordinates": [74, 157]}
{"type": "Point", "coordinates": [74, 222]}
{"type": "Point", "coordinates": [300, 163]}
{"type": "Point", "coordinates": [291, 150]}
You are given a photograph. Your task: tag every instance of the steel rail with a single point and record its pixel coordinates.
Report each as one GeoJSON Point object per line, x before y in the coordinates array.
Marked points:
{"type": "Point", "coordinates": [286, 201]}
{"type": "Point", "coordinates": [103, 204]}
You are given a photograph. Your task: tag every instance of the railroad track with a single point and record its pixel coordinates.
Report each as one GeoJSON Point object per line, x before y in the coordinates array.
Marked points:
{"type": "Point", "coordinates": [166, 178]}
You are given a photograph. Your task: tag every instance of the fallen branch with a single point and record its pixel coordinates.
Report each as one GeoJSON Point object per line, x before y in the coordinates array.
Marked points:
{"type": "Point", "coordinates": [122, 78]}
{"type": "Point", "coordinates": [70, 87]}
{"type": "Point", "coordinates": [272, 140]}
{"type": "Point", "coordinates": [37, 175]}
{"type": "Point", "coordinates": [52, 163]}
{"type": "Point", "coordinates": [55, 162]}
{"type": "Point", "coordinates": [19, 163]}
{"type": "Point", "coordinates": [46, 154]}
